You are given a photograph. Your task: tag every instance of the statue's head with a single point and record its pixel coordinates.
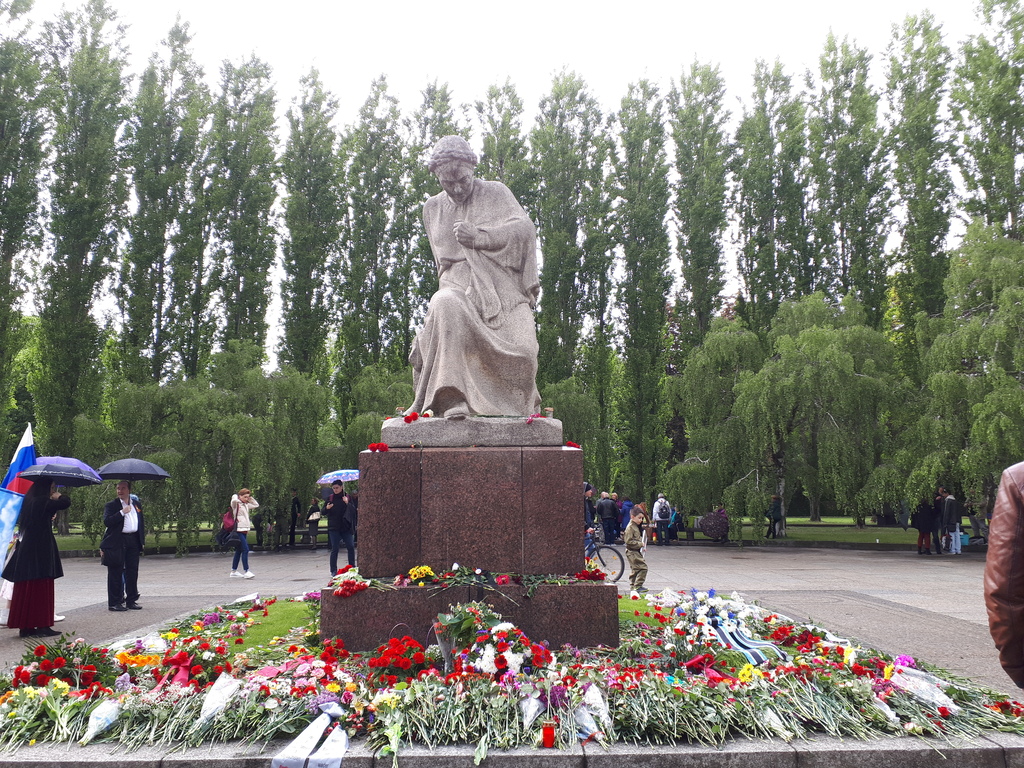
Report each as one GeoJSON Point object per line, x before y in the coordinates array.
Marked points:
{"type": "Point", "coordinates": [453, 162]}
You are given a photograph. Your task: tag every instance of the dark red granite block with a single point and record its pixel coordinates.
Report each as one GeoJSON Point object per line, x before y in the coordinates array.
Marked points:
{"type": "Point", "coordinates": [389, 512]}
{"type": "Point", "coordinates": [368, 618]}
{"type": "Point", "coordinates": [552, 510]}
{"type": "Point", "coordinates": [471, 510]}
{"type": "Point", "coordinates": [583, 614]}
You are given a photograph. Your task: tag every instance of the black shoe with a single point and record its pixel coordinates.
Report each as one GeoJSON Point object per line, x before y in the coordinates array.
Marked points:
{"type": "Point", "coordinates": [46, 632]}
{"type": "Point", "coordinates": [118, 608]}
{"type": "Point", "coordinates": [134, 607]}
{"type": "Point", "coordinates": [25, 632]}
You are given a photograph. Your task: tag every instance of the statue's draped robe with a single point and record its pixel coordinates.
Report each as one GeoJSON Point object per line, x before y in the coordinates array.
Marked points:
{"type": "Point", "coordinates": [478, 345]}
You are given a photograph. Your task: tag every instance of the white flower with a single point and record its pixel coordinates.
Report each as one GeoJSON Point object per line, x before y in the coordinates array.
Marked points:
{"type": "Point", "coordinates": [515, 661]}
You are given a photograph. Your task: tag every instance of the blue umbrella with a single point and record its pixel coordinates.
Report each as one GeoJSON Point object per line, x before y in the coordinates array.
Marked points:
{"type": "Point", "coordinates": [342, 475]}
{"type": "Point", "coordinates": [63, 471]}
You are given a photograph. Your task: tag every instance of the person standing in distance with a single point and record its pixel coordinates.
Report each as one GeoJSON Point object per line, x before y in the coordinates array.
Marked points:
{"type": "Point", "coordinates": [339, 526]}
{"type": "Point", "coordinates": [121, 547]}
{"type": "Point", "coordinates": [242, 503]}
{"type": "Point", "coordinates": [35, 563]}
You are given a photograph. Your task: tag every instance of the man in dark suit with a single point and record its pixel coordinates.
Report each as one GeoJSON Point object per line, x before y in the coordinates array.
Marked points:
{"type": "Point", "coordinates": [121, 547]}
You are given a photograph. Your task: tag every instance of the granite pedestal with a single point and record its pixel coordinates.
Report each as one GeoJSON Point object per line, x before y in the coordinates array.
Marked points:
{"type": "Point", "coordinates": [583, 614]}
{"type": "Point", "coordinates": [503, 509]}
{"type": "Point", "coordinates": [508, 510]}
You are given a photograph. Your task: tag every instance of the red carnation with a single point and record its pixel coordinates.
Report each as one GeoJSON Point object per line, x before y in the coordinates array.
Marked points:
{"type": "Point", "coordinates": [571, 444]}
{"type": "Point", "coordinates": [40, 650]}
{"type": "Point", "coordinates": [418, 657]}
{"type": "Point", "coordinates": [196, 670]}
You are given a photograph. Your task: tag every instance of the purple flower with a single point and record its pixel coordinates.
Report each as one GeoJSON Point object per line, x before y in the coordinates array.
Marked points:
{"type": "Point", "coordinates": [905, 661]}
{"type": "Point", "coordinates": [211, 618]}
{"type": "Point", "coordinates": [313, 705]}
{"type": "Point", "coordinates": [558, 697]}
{"type": "Point", "coordinates": [123, 682]}
{"type": "Point", "coordinates": [347, 696]}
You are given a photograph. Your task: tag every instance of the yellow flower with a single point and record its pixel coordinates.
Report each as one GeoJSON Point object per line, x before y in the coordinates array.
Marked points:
{"type": "Point", "coordinates": [333, 687]}
{"type": "Point", "coordinates": [849, 655]}
{"type": "Point", "coordinates": [888, 672]}
{"type": "Point", "coordinates": [746, 674]}
{"type": "Point", "coordinates": [351, 687]}
{"type": "Point", "coordinates": [31, 742]}
{"type": "Point", "coordinates": [59, 685]}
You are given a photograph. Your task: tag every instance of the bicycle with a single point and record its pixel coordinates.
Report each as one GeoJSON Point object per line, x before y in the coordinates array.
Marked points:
{"type": "Point", "coordinates": [608, 559]}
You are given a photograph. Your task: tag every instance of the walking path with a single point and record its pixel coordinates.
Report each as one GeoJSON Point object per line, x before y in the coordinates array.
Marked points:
{"type": "Point", "coordinates": [897, 602]}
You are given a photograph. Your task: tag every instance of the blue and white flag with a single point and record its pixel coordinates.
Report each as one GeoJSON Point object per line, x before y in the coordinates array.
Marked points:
{"type": "Point", "coordinates": [10, 507]}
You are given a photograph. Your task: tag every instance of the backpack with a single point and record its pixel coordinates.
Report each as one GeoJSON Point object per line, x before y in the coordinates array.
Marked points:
{"type": "Point", "coordinates": [662, 510]}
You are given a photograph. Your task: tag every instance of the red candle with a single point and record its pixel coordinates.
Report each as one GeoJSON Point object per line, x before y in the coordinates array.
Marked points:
{"type": "Point", "coordinates": [549, 734]}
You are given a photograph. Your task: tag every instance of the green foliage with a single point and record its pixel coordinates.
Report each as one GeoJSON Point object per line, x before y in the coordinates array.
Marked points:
{"type": "Point", "coordinates": [373, 163]}
{"type": "Point", "coordinates": [242, 196]}
{"type": "Point", "coordinates": [703, 154]}
{"type": "Point", "coordinates": [21, 157]}
{"type": "Point", "coordinates": [989, 117]}
{"type": "Point", "coordinates": [85, 93]}
{"type": "Point", "coordinates": [918, 69]}
{"type": "Point", "coordinates": [569, 148]}
{"type": "Point", "coordinates": [849, 172]}
{"type": "Point", "coordinates": [970, 428]}
{"type": "Point", "coordinates": [504, 156]}
{"type": "Point", "coordinates": [164, 146]}
{"type": "Point", "coordinates": [312, 208]}
{"type": "Point", "coordinates": [769, 200]}
{"type": "Point", "coordinates": [640, 178]}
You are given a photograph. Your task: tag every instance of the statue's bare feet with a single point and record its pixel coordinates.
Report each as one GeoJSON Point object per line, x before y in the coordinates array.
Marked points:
{"type": "Point", "coordinates": [457, 413]}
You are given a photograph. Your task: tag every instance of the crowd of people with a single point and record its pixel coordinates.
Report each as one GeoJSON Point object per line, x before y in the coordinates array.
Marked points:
{"type": "Point", "coordinates": [938, 523]}
{"type": "Point", "coordinates": [34, 563]}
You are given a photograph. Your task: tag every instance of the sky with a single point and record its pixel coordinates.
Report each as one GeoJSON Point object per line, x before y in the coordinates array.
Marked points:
{"type": "Point", "coordinates": [475, 45]}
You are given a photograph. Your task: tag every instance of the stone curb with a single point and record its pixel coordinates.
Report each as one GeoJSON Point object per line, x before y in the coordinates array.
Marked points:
{"type": "Point", "coordinates": [995, 750]}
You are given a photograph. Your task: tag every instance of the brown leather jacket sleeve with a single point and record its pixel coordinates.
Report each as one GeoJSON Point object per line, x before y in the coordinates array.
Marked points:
{"type": "Point", "coordinates": [1004, 573]}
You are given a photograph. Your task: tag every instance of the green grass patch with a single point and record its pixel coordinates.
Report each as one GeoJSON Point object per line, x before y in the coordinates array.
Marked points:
{"type": "Point", "coordinates": [282, 617]}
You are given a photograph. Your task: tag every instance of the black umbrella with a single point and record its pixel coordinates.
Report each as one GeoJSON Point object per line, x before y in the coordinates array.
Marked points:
{"type": "Point", "coordinates": [70, 475]}
{"type": "Point", "coordinates": [132, 469]}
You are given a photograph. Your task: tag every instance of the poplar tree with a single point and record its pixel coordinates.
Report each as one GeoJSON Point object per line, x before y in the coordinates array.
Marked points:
{"type": "Point", "coordinates": [769, 200]}
{"type": "Point", "coordinates": [373, 156]}
{"type": "Point", "coordinates": [312, 217]}
{"type": "Point", "coordinates": [569, 148]}
{"type": "Point", "coordinates": [504, 157]}
{"type": "Point", "coordinates": [242, 197]}
{"type": "Point", "coordinates": [165, 150]}
{"type": "Point", "coordinates": [989, 117]}
{"type": "Point", "coordinates": [703, 153]}
{"type": "Point", "coordinates": [86, 95]}
{"type": "Point", "coordinates": [21, 157]}
{"type": "Point", "coordinates": [918, 70]}
{"type": "Point", "coordinates": [640, 178]}
{"type": "Point", "coordinates": [849, 172]}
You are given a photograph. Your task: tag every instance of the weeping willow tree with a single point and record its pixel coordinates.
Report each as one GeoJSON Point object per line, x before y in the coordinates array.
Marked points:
{"type": "Point", "coordinates": [973, 425]}
{"type": "Point", "coordinates": [705, 395]}
{"type": "Point", "coordinates": [815, 412]}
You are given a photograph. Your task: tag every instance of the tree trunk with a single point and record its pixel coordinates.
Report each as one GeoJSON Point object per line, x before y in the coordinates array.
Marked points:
{"type": "Point", "coordinates": [815, 503]}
